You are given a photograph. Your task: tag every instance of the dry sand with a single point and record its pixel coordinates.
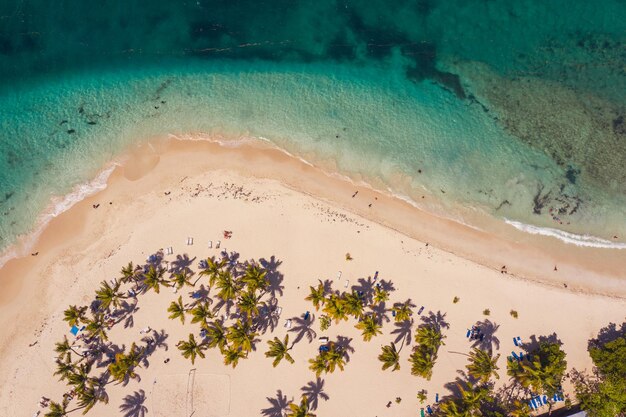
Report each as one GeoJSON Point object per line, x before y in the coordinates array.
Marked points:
{"type": "Point", "coordinates": [308, 221]}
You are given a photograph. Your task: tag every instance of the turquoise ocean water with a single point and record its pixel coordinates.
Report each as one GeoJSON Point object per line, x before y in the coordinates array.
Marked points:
{"type": "Point", "coordinates": [515, 109]}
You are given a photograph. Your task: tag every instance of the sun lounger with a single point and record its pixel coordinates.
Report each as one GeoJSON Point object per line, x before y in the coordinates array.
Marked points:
{"type": "Point", "coordinates": [346, 283]}
{"type": "Point", "coordinates": [376, 276]}
{"type": "Point", "coordinates": [169, 251]}
{"type": "Point", "coordinates": [420, 310]}
{"type": "Point", "coordinates": [469, 332]}
{"type": "Point", "coordinates": [532, 404]}
{"type": "Point", "coordinates": [544, 399]}
{"type": "Point", "coordinates": [307, 315]}
{"type": "Point", "coordinates": [324, 339]}
{"type": "Point", "coordinates": [279, 310]}
{"type": "Point", "coordinates": [324, 348]}
{"type": "Point", "coordinates": [189, 241]}
{"type": "Point", "coordinates": [338, 274]}
{"type": "Point", "coordinates": [210, 244]}
{"type": "Point", "coordinates": [288, 323]}
{"type": "Point", "coordinates": [515, 355]}
{"type": "Point", "coordinates": [429, 410]}
{"type": "Point", "coordinates": [437, 397]}
{"type": "Point", "coordinates": [217, 244]}
{"type": "Point", "coordinates": [422, 412]}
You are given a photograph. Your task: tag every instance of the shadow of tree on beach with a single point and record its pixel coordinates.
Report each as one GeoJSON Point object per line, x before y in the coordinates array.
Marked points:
{"type": "Point", "coordinates": [279, 405]}
{"type": "Point", "coordinates": [533, 342]}
{"type": "Point", "coordinates": [488, 340]}
{"type": "Point", "coordinates": [404, 332]}
{"type": "Point", "coordinates": [607, 334]}
{"type": "Point", "coordinates": [366, 287]}
{"type": "Point", "coordinates": [182, 263]}
{"type": "Point", "coordinates": [303, 328]}
{"type": "Point", "coordinates": [314, 390]}
{"type": "Point", "coordinates": [153, 342]}
{"type": "Point", "coordinates": [381, 312]}
{"type": "Point", "coordinates": [274, 277]}
{"type": "Point", "coordinates": [345, 345]}
{"type": "Point", "coordinates": [437, 319]}
{"type": "Point", "coordinates": [133, 405]}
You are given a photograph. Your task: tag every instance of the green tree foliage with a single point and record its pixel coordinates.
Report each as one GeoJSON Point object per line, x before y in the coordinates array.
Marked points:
{"type": "Point", "coordinates": [177, 310]}
{"type": "Point", "coordinates": [603, 394]}
{"type": "Point", "coordinates": [428, 338]}
{"type": "Point", "coordinates": [279, 350]}
{"type": "Point", "coordinates": [482, 365]}
{"type": "Point", "coordinates": [390, 357]}
{"type": "Point", "coordinates": [369, 327]}
{"type": "Point", "coordinates": [544, 373]}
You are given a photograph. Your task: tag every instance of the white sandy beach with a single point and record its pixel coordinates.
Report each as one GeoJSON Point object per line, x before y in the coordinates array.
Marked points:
{"type": "Point", "coordinates": [309, 223]}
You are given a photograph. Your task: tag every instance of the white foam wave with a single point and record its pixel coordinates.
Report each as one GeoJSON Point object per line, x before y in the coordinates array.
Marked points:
{"type": "Point", "coordinates": [57, 206]}
{"type": "Point", "coordinates": [571, 238]}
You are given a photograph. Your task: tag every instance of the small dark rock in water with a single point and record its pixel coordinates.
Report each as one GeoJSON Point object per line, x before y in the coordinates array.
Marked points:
{"type": "Point", "coordinates": [62, 122]}
{"type": "Point", "coordinates": [619, 127]}
{"type": "Point", "coordinates": [156, 107]}
{"type": "Point", "coordinates": [91, 122]}
{"type": "Point", "coordinates": [70, 131]}
{"type": "Point", "coordinates": [571, 174]}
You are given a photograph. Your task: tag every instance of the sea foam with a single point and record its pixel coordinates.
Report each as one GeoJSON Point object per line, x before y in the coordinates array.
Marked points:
{"type": "Point", "coordinates": [571, 238]}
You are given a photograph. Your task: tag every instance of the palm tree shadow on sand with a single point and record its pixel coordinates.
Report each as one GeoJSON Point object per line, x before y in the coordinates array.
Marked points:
{"type": "Point", "coordinates": [182, 263]}
{"type": "Point", "coordinates": [314, 390]}
{"type": "Point", "coordinates": [436, 319]}
{"type": "Point", "coordinates": [274, 277]}
{"type": "Point", "coordinates": [403, 332]}
{"type": "Point", "coordinates": [303, 328]}
{"type": "Point", "coordinates": [487, 341]}
{"type": "Point", "coordinates": [345, 345]}
{"type": "Point", "coordinates": [133, 405]}
{"type": "Point", "coordinates": [279, 405]}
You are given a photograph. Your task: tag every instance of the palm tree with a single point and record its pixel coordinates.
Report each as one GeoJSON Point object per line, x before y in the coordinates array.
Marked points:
{"type": "Point", "coordinates": [191, 349]}
{"type": "Point", "coordinates": [228, 286]}
{"type": "Point", "coordinates": [403, 311]}
{"type": "Point", "coordinates": [201, 314]}
{"type": "Point", "coordinates": [128, 273]}
{"type": "Point", "coordinates": [177, 310]}
{"type": "Point", "coordinates": [317, 296]}
{"type": "Point", "coordinates": [318, 365]}
{"type": "Point", "coordinates": [422, 361]}
{"type": "Point", "coordinates": [109, 295]}
{"type": "Point", "coordinates": [469, 404]}
{"type": "Point", "coordinates": [216, 333]}
{"type": "Point", "coordinates": [380, 295]}
{"type": "Point", "coordinates": [180, 279]}
{"type": "Point", "coordinates": [232, 355]}
{"type": "Point", "coordinates": [124, 366]}
{"type": "Point", "coordinates": [301, 410]}
{"type": "Point", "coordinates": [334, 358]}
{"type": "Point", "coordinates": [241, 336]}
{"type": "Point", "coordinates": [254, 277]}
{"type": "Point", "coordinates": [212, 269]}
{"type": "Point", "coordinates": [390, 357]}
{"type": "Point", "coordinates": [79, 377]}
{"type": "Point", "coordinates": [153, 279]}
{"type": "Point", "coordinates": [369, 327]}
{"type": "Point", "coordinates": [278, 350]}
{"type": "Point", "coordinates": [429, 336]}
{"type": "Point", "coordinates": [88, 398]}
{"type": "Point", "coordinates": [64, 369]}
{"type": "Point", "coordinates": [248, 304]}
{"type": "Point", "coordinates": [335, 307]}
{"type": "Point", "coordinates": [57, 409]}
{"type": "Point", "coordinates": [64, 348]}
{"type": "Point", "coordinates": [97, 327]}
{"type": "Point", "coordinates": [75, 315]}
{"type": "Point", "coordinates": [353, 305]}
{"type": "Point", "coordinates": [482, 365]}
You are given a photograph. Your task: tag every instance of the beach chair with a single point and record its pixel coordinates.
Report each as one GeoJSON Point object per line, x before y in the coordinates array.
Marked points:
{"type": "Point", "coordinates": [217, 244]}
{"type": "Point", "coordinates": [307, 315]}
{"type": "Point", "coordinates": [279, 310]}
{"type": "Point", "coordinates": [532, 404]}
{"type": "Point", "coordinates": [189, 241]}
{"type": "Point", "coordinates": [210, 244]}
{"type": "Point", "coordinates": [429, 410]}
{"type": "Point", "coordinates": [469, 332]}
{"type": "Point", "coordinates": [437, 397]}
{"type": "Point", "coordinates": [169, 251]}
{"type": "Point", "coordinates": [422, 412]}
{"type": "Point", "coordinates": [324, 339]}
{"type": "Point", "coordinates": [288, 323]}
{"type": "Point", "coordinates": [346, 283]}
{"type": "Point", "coordinates": [515, 355]}
{"type": "Point", "coordinates": [420, 310]}
{"type": "Point", "coordinates": [324, 348]}
{"type": "Point", "coordinates": [376, 276]}
{"type": "Point", "coordinates": [515, 341]}
{"type": "Point", "coordinates": [338, 274]}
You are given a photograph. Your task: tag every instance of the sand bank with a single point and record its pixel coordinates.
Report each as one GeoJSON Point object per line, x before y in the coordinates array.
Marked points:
{"type": "Point", "coordinates": [278, 206]}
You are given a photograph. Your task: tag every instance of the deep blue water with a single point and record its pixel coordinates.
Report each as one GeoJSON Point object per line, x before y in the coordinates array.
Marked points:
{"type": "Point", "coordinates": [516, 109]}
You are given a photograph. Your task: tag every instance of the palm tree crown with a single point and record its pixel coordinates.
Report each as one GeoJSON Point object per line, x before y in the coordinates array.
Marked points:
{"type": "Point", "coordinates": [278, 350]}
